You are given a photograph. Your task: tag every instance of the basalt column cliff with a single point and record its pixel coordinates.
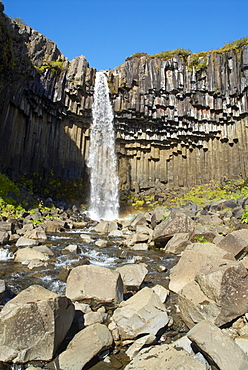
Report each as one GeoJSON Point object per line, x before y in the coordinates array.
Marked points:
{"type": "Point", "coordinates": [176, 123]}
{"type": "Point", "coordinates": [179, 124]}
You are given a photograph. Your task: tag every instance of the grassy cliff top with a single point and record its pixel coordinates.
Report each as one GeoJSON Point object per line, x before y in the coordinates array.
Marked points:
{"type": "Point", "coordinates": [184, 53]}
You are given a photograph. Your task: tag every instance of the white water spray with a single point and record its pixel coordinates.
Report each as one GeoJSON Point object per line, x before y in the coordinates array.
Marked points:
{"type": "Point", "coordinates": [104, 197]}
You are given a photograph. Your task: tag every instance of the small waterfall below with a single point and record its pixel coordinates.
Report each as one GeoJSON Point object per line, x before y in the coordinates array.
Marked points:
{"type": "Point", "coordinates": [104, 197]}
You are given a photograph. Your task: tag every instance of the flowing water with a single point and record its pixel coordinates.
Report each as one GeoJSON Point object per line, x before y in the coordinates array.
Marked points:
{"type": "Point", "coordinates": [102, 161]}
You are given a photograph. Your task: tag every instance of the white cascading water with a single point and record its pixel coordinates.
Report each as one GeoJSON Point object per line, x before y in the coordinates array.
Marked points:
{"type": "Point", "coordinates": [104, 197]}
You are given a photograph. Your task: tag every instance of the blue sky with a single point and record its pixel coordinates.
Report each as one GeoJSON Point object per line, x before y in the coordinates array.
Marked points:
{"type": "Point", "coordinates": [107, 31]}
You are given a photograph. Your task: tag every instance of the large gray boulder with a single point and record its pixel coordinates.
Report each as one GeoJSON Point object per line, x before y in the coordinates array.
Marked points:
{"type": "Point", "coordinates": [218, 346]}
{"type": "Point", "coordinates": [28, 254]}
{"type": "Point", "coordinates": [132, 275]}
{"type": "Point", "coordinates": [84, 346]}
{"type": "Point", "coordinates": [143, 313]}
{"type": "Point", "coordinates": [95, 285]}
{"type": "Point", "coordinates": [164, 357]}
{"type": "Point", "coordinates": [217, 294]}
{"type": "Point", "coordinates": [194, 258]}
{"type": "Point", "coordinates": [235, 243]}
{"type": "Point", "coordinates": [33, 325]}
{"type": "Point", "coordinates": [176, 222]}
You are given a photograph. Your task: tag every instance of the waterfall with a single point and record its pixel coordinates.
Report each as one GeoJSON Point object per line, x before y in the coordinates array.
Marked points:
{"type": "Point", "coordinates": [104, 197]}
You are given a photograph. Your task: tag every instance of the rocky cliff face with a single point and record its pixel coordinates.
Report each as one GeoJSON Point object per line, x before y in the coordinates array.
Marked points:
{"type": "Point", "coordinates": [179, 125]}
{"type": "Point", "coordinates": [176, 124]}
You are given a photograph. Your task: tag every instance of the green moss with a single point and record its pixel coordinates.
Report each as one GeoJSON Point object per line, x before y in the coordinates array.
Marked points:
{"type": "Point", "coordinates": [55, 66]}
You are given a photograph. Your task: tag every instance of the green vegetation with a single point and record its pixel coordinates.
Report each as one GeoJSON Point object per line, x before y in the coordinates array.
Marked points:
{"type": "Point", "coordinates": [55, 66]}
{"type": "Point", "coordinates": [194, 60]}
{"type": "Point", "coordinates": [19, 21]}
{"type": "Point", "coordinates": [244, 217]}
{"type": "Point", "coordinates": [199, 239]}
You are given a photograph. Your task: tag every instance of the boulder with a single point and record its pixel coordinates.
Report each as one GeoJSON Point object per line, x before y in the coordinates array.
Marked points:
{"type": "Point", "coordinates": [54, 226]}
{"type": "Point", "coordinates": [25, 242]}
{"type": "Point", "coordinates": [161, 291]}
{"type": "Point", "coordinates": [158, 215]}
{"type": "Point", "coordinates": [36, 263]}
{"type": "Point", "coordinates": [134, 349]}
{"type": "Point", "coordinates": [132, 275]}
{"type": "Point", "coordinates": [95, 285]}
{"type": "Point", "coordinates": [2, 292]}
{"type": "Point", "coordinates": [235, 243]}
{"type": "Point", "coordinates": [142, 234]}
{"type": "Point", "coordinates": [92, 317]}
{"type": "Point", "coordinates": [177, 243]}
{"type": "Point", "coordinates": [86, 238]}
{"type": "Point", "coordinates": [4, 237]}
{"type": "Point", "coordinates": [195, 257]}
{"type": "Point", "coordinates": [164, 357]}
{"type": "Point", "coordinates": [105, 227]}
{"type": "Point", "coordinates": [44, 249]}
{"type": "Point", "coordinates": [71, 249]}
{"type": "Point", "coordinates": [143, 313]}
{"type": "Point", "coordinates": [222, 351]}
{"type": "Point", "coordinates": [140, 247]}
{"type": "Point", "coordinates": [37, 233]}
{"type": "Point", "coordinates": [176, 222]}
{"type": "Point", "coordinates": [84, 346]}
{"type": "Point", "coordinates": [217, 294]}
{"type": "Point", "coordinates": [138, 220]}
{"type": "Point", "coordinates": [27, 254]}
{"type": "Point", "coordinates": [33, 325]}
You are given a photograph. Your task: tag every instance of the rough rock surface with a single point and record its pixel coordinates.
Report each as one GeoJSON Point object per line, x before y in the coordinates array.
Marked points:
{"type": "Point", "coordinates": [132, 275]}
{"type": "Point", "coordinates": [33, 325]}
{"type": "Point", "coordinates": [95, 285]}
{"type": "Point", "coordinates": [84, 346]}
{"type": "Point", "coordinates": [143, 313]}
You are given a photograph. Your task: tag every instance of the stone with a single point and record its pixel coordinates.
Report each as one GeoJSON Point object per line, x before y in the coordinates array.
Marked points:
{"type": "Point", "coordinates": [138, 220]}
{"type": "Point", "coordinates": [219, 347]}
{"type": "Point", "coordinates": [164, 357]}
{"type": "Point", "coordinates": [64, 273]}
{"type": "Point", "coordinates": [54, 226]}
{"type": "Point", "coordinates": [91, 318]}
{"type": "Point", "coordinates": [242, 342]}
{"type": "Point", "coordinates": [176, 222]}
{"type": "Point", "coordinates": [132, 275]}
{"type": "Point", "coordinates": [134, 349]}
{"type": "Point", "coordinates": [24, 242]}
{"type": "Point", "coordinates": [116, 234]}
{"type": "Point", "coordinates": [161, 291]}
{"type": "Point", "coordinates": [36, 263]}
{"type": "Point", "coordinates": [95, 285]}
{"type": "Point", "coordinates": [105, 227]}
{"type": "Point", "coordinates": [191, 261]}
{"type": "Point", "coordinates": [158, 215]}
{"type": "Point", "coordinates": [2, 292]}
{"type": "Point", "coordinates": [86, 238]}
{"type": "Point", "coordinates": [84, 346]}
{"type": "Point", "coordinates": [33, 325]}
{"type": "Point", "coordinates": [71, 249]}
{"type": "Point", "coordinates": [37, 233]}
{"type": "Point", "coordinates": [235, 243]}
{"type": "Point", "coordinates": [143, 313]}
{"type": "Point", "coordinates": [140, 247]}
{"type": "Point", "coordinates": [101, 243]}
{"type": "Point", "coordinates": [142, 234]}
{"type": "Point", "coordinates": [177, 243]}
{"type": "Point", "coordinates": [4, 237]}
{"type": "Point", "coordinates": [44, 249]}
{"type": "Point", "coordinates": [27, 254]}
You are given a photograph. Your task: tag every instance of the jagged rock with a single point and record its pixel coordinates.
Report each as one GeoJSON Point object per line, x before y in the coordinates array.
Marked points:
{"type": "Point", "coordinates": [194, 258]}
{"type": "Point", "coordinates": [134, 349]}
{"type": "Point", "coordinates": [139, 220]}
{"type": "Point", "coordinates": [217, 294]}
{"type": "Point", "coordinates": [158, 215]}
{"type": "Point", "coordinates": [36, 263]}
{"type": "Point", "coordinates": [4, 237]}
{"type": "Point", "coordinates": [235, 243]}
{"type": "Point", "coordinates": [164, 357]}
{"type": "Point", "coordinates": [93, 339]}
{"type": "Point", "coordinates": [37, 233]}
{"type": "Point", "coordinates": [27, 254]}
{"type": "Point", "coordinates": [91, 318]}
{"type": "Point", "coordinates": [177, 243]}
{"type": "Point", "coordinates": [176, 222]}
{"type": "Point", "coordinates": [161, 291]}
{"type": "Point", "coordinates": [141, 314]}
{"type": "Point", "coordinates": [222, 351]}
{"type": "Point", "coordinates": [33, 325]}
{"type": "Point", "coordinates": [132, 275]}
{"type": "Point", "coordinates": [95, 285]}
{"type": "Point", "coordinates": [142, 234]}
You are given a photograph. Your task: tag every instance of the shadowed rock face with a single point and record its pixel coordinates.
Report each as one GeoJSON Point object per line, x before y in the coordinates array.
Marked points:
{"type": "Point", "coordinates": [175, 126]}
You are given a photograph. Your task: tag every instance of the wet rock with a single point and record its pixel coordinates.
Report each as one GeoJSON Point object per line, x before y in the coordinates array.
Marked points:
{"type": "Point", "coordinates": [164, 357]}
{"type": "Point", "coordinates": [44, 249]}
{"type": "Point", "coordinates": [71, 249]}
{"type": "Point", "coordinates": [37, 233]}
{"type": "Point", "coordinates": [141, 314]}
{"type": "Point", "coordinates": [36, 263]}
{"type": "Point", "coordinates": [101, 243]}
{"type": "Point", "coordinates": [219, 348]}
{"type": "Point", "coordinates": [27, 254]}
{"type": "Point", "coordinates": [176, 222]}
{"type": "Point", "coordinates": [64, 273]}
{"type": "Point", "coordinates": [86, 238]}
{"type": "Point", "coordinates": [33, 325]}
{"type": "Point", "coordinates": [95, 285]}
{"type": "Point", "coordinates": [23, 242]}
{"type": "Point", "coordinates": [132, 275]}
{"type": "Point", "coordinates": [4, 237]}
{"type": "Point", "coordinates": [93, 339]}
